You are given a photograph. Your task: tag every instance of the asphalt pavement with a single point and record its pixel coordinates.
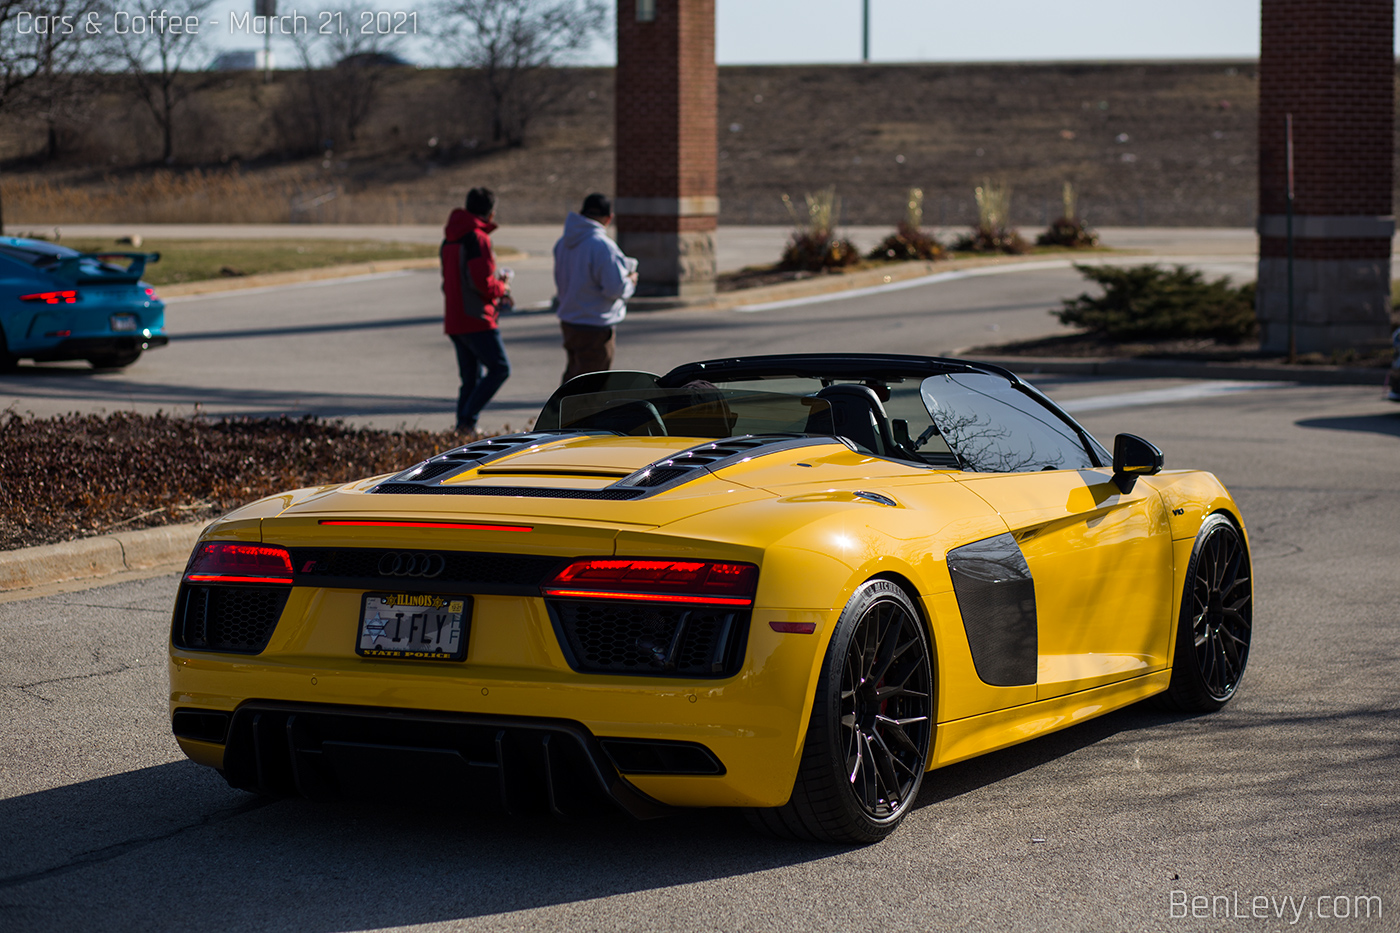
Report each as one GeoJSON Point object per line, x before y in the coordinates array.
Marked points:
{"type": "Point", "coordinates": [1136, 821]}
{"type": "Point", "coordinates": [370, 349]}
{"type": "Point", "coordinates": [1287, 798]}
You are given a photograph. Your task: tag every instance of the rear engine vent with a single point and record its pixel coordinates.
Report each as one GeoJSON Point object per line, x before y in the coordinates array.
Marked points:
{"type": "Point", "coordinates": [616, 637]}
{"type": "Point", "coordinates": [462, 458]}
{"type": "Point", "coordinates": [427, 471]}
{"type": "Point", "coordinates": [236, 619]}
{"type": "Point", "coordinates": [532, 492]}
{"type": "Point", "coordinates": [695, 462]}
{"type": "Point", "coordinates": [660, 476]}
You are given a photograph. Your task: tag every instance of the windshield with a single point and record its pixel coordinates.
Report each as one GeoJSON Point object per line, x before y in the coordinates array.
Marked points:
{"type": "Point", "coordinates": [692, 412]}
{"type": "Point", "coordinates": [997, 429]}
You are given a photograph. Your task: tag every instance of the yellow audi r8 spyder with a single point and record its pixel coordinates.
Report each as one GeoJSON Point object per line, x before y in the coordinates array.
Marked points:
{"type": "Point", "coordinates": [790, 584]}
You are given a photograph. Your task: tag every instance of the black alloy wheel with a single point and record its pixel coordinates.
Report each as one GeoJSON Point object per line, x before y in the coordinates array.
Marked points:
{"type": "Point", "coordinates": [1217, 620]}
{"type": "Point", "coordinates": [8, 363]}
{"type": "Point", "coordinates": [871, 729]}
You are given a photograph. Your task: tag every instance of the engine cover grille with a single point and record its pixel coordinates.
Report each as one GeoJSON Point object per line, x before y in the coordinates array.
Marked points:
{"type": "Point", "coordinates": [621, 637]}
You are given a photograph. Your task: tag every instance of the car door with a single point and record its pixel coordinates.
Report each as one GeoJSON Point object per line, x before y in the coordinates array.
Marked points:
{"type": "Point", "coordinates": [1099, 557]}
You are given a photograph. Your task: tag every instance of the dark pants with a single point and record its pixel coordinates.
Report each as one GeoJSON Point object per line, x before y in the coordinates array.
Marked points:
{"type": "Point", "coordinates": [590, 349]}
{"type": "Point", "coordinates": [476, 352]}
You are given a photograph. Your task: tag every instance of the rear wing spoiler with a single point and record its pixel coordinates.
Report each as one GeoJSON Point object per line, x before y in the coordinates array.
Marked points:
{"type": "Point", "coordinates": [72, 269]}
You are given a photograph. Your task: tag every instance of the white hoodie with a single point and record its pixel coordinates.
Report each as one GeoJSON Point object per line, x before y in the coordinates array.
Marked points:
{"type": "Point", "coordinates": [590, 275]}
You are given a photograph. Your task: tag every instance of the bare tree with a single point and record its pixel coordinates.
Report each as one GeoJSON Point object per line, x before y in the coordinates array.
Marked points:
{"type": "Point", "coordinates": [510, 42]}
{"type": "Point", "coordinates": [160, 61]}
{"type": "Point", "coordinates": [41, 48]}
{"type": "Point", "coordinates": [343, 72]}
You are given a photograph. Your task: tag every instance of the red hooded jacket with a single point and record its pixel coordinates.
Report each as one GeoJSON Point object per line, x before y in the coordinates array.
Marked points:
{"type": "Point", "coordinates": [469, 283]}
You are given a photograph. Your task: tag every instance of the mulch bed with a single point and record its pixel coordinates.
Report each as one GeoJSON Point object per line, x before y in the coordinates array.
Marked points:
{"type": "Point", "coordinates": [756, 276]}
{"type": "Point", "coordinates": [74, 476]}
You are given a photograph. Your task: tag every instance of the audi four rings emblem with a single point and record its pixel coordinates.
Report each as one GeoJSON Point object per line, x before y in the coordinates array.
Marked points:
{"type": "Point", "coordinates": [411, 564]}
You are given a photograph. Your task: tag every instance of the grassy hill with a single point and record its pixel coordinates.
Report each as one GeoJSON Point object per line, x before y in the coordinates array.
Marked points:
{"type": "Point", "coordinates": [1164, 143]}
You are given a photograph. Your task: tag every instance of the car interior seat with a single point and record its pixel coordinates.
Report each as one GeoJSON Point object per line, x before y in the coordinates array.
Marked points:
{"type": "Point", "coordinates": [859, 417]}
{"type": "Point", "coordinates": [633, 416]}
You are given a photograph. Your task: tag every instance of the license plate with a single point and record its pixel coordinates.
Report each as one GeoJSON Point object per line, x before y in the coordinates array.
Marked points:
{"type": "Point", "coordinates": [124, 322]}
{"type": "Point", "coordinates": [413, 626]}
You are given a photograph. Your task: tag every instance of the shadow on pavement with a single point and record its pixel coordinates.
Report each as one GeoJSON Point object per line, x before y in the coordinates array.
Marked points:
{"type": "Point", "coordinates": [976, 773]}
{"type": "Point", "coordinates": [170, 847]}
{"type": "Point", "coordinates": [143, 847]}
{"type": "Point", "coordinates": [1371, 424]}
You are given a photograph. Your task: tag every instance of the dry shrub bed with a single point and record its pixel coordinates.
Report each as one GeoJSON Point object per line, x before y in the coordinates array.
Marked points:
{"type": "Point", "coordinates": [78, 475]}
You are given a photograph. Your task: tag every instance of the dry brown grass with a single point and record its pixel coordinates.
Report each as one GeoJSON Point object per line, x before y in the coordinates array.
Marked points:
{"type": "Point", "coordinates": [1188, 158]}
{"type": "Point", "coordinates": [215, 196]}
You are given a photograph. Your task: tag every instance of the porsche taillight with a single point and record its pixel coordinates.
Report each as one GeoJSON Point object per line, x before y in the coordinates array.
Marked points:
{"type": "Point", "coordinates": [691, 582]}
{"type": "Point", "coordinates": [52, 298]}
{"type": "Point", "coordinates": [226, 562]}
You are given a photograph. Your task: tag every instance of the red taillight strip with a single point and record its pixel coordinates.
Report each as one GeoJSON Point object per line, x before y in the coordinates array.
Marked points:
{"type": "Point", "coordinates": [228, 578]}
{"type": "Point", "coordinates": [460, 526]}
{"type": "Point", "coordinates": [52, 298]}
{"type": "Point", "coordinates": [651, 597]}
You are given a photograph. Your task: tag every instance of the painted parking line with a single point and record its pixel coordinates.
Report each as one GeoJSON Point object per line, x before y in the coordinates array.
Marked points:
{"type": "Point", "coordinates": [907, 283]}
{"type": "Point", "coordinates": [1186, 393]}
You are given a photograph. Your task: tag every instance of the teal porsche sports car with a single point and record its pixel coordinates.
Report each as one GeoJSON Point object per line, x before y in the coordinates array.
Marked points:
{"type": "Point", "coordinates": [59, 304]}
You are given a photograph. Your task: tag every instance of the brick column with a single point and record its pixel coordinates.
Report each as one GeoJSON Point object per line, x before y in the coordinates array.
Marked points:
{"type": "Point", "coordinates": [667, 107]}
{"type": "Point", "coordinates": [1331, 64]}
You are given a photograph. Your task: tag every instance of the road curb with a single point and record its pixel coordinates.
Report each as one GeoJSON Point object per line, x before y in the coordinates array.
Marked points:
{"type": "Point", "coordinates": [101, 556]}
{"type": "Point", "coordinates": [1183, 369]}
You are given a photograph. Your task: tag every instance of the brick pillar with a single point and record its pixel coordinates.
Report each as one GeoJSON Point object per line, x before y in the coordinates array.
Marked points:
{"type": "Point", "coordinates": [1331, 64]}
{"type": "Point", "coordinates": [667, 101]}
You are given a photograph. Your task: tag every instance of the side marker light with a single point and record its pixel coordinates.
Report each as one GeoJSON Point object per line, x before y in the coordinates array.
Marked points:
{"type": "Point", "coordinates": [793, 628]}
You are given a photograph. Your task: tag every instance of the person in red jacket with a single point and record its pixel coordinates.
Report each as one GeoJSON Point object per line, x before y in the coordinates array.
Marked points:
{"type": "Point", "coordinates": [474, 291]}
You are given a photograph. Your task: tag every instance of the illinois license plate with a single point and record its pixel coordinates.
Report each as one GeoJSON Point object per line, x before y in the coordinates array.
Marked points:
{"type": "Point", "coordinates": [414, 626]}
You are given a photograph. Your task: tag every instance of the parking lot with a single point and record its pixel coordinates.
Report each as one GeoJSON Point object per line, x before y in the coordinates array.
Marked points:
{"type": "Point", "coordinates": [1122, 823]}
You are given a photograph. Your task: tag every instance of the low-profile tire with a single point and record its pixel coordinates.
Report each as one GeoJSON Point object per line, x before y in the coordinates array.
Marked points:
{"type": "Point", "coordinates": [868, 739]}
{"type": "Point", "coordinates": [1216, 622]}
{"type": "Point", "coordinates": [116, 360]}
{"type": "Point", "coordinates": [8, 363]}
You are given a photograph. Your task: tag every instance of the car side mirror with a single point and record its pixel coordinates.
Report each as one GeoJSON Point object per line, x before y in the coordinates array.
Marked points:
{"type": "Point", "coordinates": [1134, 457]}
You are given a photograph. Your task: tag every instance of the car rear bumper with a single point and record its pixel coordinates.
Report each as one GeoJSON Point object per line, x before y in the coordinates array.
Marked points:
{"type": "Point", "coordinates": [752, 723]}
{"type": "Point", "coordinates": [80, 348]}
{"type": "Point", "coordinates": [510, 763]}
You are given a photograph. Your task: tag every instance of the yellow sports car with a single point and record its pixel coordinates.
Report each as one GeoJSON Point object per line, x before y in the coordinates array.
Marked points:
{"type": "Point", "coordinates": [791, 584]}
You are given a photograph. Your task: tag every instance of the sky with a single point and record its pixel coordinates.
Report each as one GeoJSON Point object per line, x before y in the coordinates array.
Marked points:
{"type": "Point", "coordinates": [817, 31]}
{"type": "Point", "coordinates": [790, 31]}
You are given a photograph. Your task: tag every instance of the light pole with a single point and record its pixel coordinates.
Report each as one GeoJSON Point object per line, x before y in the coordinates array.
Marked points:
{"type": "Point", "coordinates": [865, 32]}
{"type": "Point", "coordinates": [266, 9]}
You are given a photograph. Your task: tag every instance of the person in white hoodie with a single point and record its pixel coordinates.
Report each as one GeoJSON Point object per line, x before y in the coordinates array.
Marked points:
{"type": "Point", "coordinates": [592, 281]}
